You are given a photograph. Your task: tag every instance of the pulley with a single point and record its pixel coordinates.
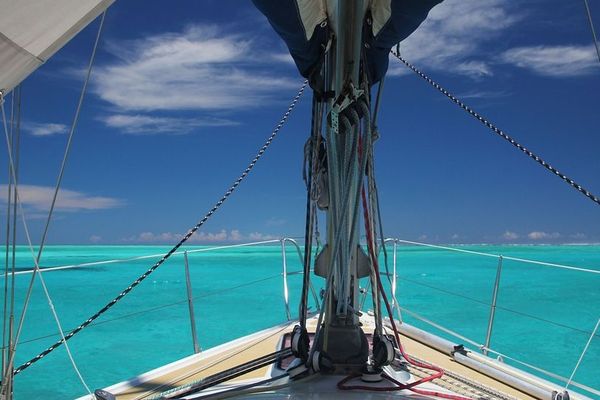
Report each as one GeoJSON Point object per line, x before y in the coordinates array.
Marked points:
{"type": "Point", "coordinates": [300, 343]}
{"type": "Point", "coordinates": [383, 351]}
{"type": "Point", "coordinates": [561, 396]}
{"type": "Point", "coordinates": [321, 363]}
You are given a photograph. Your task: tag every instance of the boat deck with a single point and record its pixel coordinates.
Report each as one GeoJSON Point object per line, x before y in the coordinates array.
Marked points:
{"type": "Point", "coordinates": [459, 379]}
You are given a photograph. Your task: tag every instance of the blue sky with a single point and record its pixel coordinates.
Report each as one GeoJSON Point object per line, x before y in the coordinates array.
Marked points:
{"type": "Point", "coordinates": [182, 97]}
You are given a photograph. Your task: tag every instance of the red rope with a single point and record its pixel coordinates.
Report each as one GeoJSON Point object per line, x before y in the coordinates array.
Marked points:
{"type": "Point", "coordinates": [439, 371]}
{"type": "Point", "coordinates": [399, 386]}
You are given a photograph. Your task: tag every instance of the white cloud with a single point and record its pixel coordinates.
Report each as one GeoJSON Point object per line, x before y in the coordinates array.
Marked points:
{"type": "Point", "coordinates": [258, 236]}
{"type": "Point", "coordinates": [40, 197]}
{"type": "Point", "coordinates": [283, 57]}
{"type": "Point", "coordinates": [482, 94]}
{"type": "Point", "coordinates": [451, 39]}
{"type": "Point", "coordinates": [538, 235]}
{"type": "Point", "coordinates": [235, 235]}
{"type": "Point", "coordinates": [200, 68]}
{"type": "Point", "coordinates": [508, 235]}
{"type": "Point", "coordinates": [95, 239]}
{"type": "Point", "coordinates": [223, 235]}
{"type": "Point", "coordinates": [139, 124]}
{"type": "Point", "coordinates": [554, 61]}
{"type": "Point", "coordinates": [47, 129]}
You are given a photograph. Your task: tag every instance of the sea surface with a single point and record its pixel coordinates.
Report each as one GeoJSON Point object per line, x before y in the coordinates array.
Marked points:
{"type": "Point", "coordinates": [544, 314]}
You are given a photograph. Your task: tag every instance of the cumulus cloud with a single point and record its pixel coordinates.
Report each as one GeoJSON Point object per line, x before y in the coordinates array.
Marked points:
{"type": "Point", "coordinates": [139, 124]}
{"type": "Point", "coordinates": [451, 39]}
{"type": "Point", "coordinates": [235, 235]}
{"type": "Point", "coordinates": [200, 68]}
{"type": "Point", "coordinates": [39, 198]}
{"type": "Point", "coordinates": [258, 236]}
{"type": "Point", "coordinates": [47, 129]}
{"type": "Point", "coordinates": [578, 236]}
{"type": "Point", "coordinates": [95, 239]}
{"type": "Point", "coordinates": [482, 94]}
{"type": "Point", "coordinates": [200, 237]}
{"type": "Point", "coordinates": [554, 61]}
{"type": "Point", "coordinates": [538, 235]}
{"type": "Point", "coordinates": [508, 235]}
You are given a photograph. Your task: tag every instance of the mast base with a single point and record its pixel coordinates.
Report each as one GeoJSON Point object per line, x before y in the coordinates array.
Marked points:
{"type": "Point", "coordinates": [347, 348]}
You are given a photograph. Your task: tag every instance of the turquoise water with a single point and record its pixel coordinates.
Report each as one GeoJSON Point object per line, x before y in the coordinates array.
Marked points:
{"type": "Point", "coordinates": [150, 326]}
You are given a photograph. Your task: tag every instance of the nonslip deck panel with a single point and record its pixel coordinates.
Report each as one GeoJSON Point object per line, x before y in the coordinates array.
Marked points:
{"type": "Point", "coordinates": [241, 351]}
{"type": "Point", "coordinates": [206, 366]}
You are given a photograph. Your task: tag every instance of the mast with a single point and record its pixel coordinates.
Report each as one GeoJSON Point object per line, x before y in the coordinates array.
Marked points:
{"type": "Point", "coordinates": [342, 260]}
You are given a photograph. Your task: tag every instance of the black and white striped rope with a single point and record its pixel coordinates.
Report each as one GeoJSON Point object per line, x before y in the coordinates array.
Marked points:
{"type": "Point", "coordinates": [501, 133]}
{"type": "Point", "coordinates": [217, 205]}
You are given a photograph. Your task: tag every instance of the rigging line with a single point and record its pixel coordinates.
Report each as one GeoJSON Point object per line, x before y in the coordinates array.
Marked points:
{"type": "Point", "coordinates": [385, 254]}
{"type": "Point", "coordinates": [11, 325]}
{"type": "Point", "coordinates": [124, 260]}
{"type": "Point", "coordinates": [12, 353]}
{"type": "Point", "coordinates": [478, 253]}
{"type": "Point", "coordinates": [210, 213]}
{"type": "Point", "coordinates": [377, 102]}
{"type": "Point", "coordinates": [16, 131]}
{"type": "Point", "coordinates": [585, 349]}
{"type": "Point", "coordinates": [548, 321]}
{"type": "Point", "coordinates": [500, 132]}
{"type": "Point", "coordinates": [337, 243]}
{"type": "Point", "coordinates": [523, 314]}
{"type": "Point", "coordinates": [253, 387]}
{"type": "Point", "coordinates": [7, 244]}
{"type": "Point", "coordinates": [499, 354]}
{"type": "Point", "coordinates": [589, 15]}
{"type": "Point", "coordinates": [442, 328]}
{"type": "Point", "coordinates": [312, 162]}
{"type": "Point", "coordinates": [227, 375]}
{"type": "Point", "coordinates": [222, 358]}
{"type": "Point", "coordinates": [444, 291]}
{"type": "Point", "coordinates": [60, 176]}
{"type": "Point", "coordinates": [163, 306]}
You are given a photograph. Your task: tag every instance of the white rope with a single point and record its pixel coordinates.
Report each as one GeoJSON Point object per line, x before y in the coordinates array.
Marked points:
{"type": "Point", "coordinates": [499, 354]}
{"type": "Point", "coordinates": [123, 260]}
{"type": "Point", "coordinates": [60, 176]}
{"type": "Point", "coordinates": [585, 349]}
{"type": "Point", "coordinates": [523, 260]}
{"type": "Point", "coordinates": [442, 328]}
{"type": "Point", "coordinates": [543, 371]}
{"type": "Point", "coordinates": [7, 332]}
{"type": "Point", "coordinates": [26, 229]}
{"type": "Point", "coordinates": [589, 14]}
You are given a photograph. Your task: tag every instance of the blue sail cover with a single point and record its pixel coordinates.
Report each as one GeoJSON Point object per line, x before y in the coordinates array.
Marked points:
{"type": "Point", "coordinates": [302, 24]}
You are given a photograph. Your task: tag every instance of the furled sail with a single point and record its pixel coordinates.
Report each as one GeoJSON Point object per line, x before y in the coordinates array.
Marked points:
{"type": "Point", "coordinates": [302, 24]}
{"type": "Point", "coordinates": [31, 31]}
